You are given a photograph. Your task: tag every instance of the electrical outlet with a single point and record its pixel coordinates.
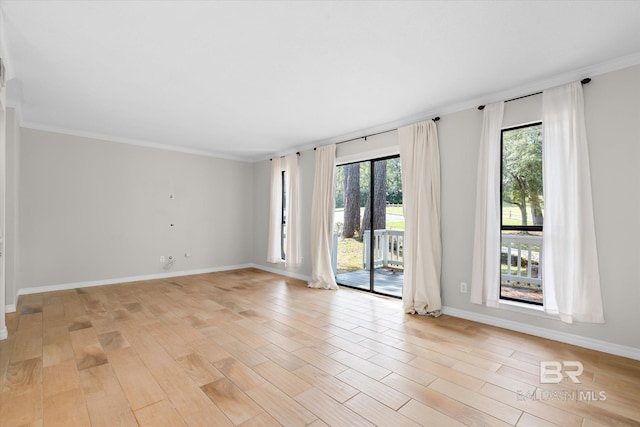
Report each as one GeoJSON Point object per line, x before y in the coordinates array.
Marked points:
{"type": "Point", "coordinates": [161, 259]}
{"type": "Point", "coordinates": [463, 287]}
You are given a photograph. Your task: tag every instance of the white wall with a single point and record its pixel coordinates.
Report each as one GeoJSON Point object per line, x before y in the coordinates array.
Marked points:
{"type": "Point", "coordinates": [94, 210]}
{"type": "Point", "coordinates": [613, 113]}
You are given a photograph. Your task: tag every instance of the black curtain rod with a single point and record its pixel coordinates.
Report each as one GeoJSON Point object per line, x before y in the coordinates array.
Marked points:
{"type": "Point", "coordinates": [282, 157]}
{"type": "Point", "coordinates": [435, 119]}
{"type": "Point", "coordinates": [583, 81]}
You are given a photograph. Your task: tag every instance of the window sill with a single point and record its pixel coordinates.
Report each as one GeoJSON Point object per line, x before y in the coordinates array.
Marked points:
{"type": "Point", "coordinates": [521, 307]}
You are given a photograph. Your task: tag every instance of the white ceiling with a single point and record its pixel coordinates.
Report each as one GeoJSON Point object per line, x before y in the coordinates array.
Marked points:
{"type": "Point", "coordinates": [248, 80]}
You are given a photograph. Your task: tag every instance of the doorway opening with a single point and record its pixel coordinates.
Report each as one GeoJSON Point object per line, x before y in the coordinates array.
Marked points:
{"type": "Point", "coordinates": [369, 197]}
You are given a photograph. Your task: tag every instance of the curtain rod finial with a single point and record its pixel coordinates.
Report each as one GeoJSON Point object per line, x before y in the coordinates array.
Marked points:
{"type": "Point", "coordinates": [585, 81]}
{"type": "Point", "coordinates": [481, 107]}
{"type": "Point", "coordinates": [436, 119]}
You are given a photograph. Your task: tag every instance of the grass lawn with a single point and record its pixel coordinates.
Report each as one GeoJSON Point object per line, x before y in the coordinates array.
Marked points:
{"type": "Point", "coordinates": [349, 255]}
{"type": "Point", "coordinates": [350, 250]}
{"type": "Point", "coordinates": [396, 225]}
{"type": "Point", "coordinates": [511, 214]}
{"type": "Point", "coordinates": [396, 210]}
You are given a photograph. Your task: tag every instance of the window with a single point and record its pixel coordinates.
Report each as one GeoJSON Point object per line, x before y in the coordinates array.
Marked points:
{"type": "Point", "coordinates": [283, 216]}
{"type": "Point", "coordinates": [522, 212]}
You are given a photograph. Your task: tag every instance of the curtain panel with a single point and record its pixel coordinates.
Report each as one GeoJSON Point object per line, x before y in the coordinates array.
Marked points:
{"type": "Point", "coordinates": [485, 273]}
{"type": "Point", "coordinates": [274, 245]}
{"type": "Point", "coordinates": [322, 208]}
{"type": "Point", "coordinates": [420, 161]}
{"type": "Point", "coordinates": [570, 272]}
{"type": "Point", "coordinates": [293, 253]}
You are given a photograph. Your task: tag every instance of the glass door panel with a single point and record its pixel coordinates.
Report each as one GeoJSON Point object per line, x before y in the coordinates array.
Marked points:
{"type": "Point", "coordinates": [366, 201]}
{"type": "Point", "coordinates": [352, 190]}
{"type": "Point", "coordinates": [388, 225]}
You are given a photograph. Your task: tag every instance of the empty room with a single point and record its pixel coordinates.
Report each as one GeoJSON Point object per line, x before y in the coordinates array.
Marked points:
{"type": "Point", "coordinates": [319, 213]}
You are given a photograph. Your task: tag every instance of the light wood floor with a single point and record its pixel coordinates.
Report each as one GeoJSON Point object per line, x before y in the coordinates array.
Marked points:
{"type": "Point", "coordinates": [252, 348]}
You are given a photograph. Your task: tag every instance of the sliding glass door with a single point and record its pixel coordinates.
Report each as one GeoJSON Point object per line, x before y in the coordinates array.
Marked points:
{"type": "Point", "coordinates": [369, 197]}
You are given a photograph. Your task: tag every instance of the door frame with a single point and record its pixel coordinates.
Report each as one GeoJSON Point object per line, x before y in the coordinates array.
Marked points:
{"type": "Point", "coordinates": [371, 245]}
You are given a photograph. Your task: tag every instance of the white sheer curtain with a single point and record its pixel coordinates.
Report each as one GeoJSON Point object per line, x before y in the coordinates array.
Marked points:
{"type": "Point", "coordinates": [322, 208]}
{"type": "Point", "coordinates": [420, 161]}
{"type": "Point", "coordinates": [293, 255]}
{"type": "Point", "coordinates": [570, 259]}
{"type": "Point", "coordinates": [485, 274]}
{"type": "Point", "coordinates": [274, 248]}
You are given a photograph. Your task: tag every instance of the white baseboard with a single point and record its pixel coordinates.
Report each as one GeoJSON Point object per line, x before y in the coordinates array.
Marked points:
{"type": "Point", "coordinates": [282, 272]}
{"type": "Point", "coordinates": [593, 344]}
{"type": "Point", "coordinates": [10, 308]}
{"type": "Point", "coordinates": [169, 274]}
{"type": "Point", "coordinates": [4, 334]}
{"type": "Point", "coordinates": [590, 343]}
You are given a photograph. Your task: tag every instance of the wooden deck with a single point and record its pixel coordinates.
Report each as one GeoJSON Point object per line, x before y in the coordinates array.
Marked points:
{"type": "Point", "coordinates": [251, 348]}
{"type": "Point", "coordinates": [386, 281]}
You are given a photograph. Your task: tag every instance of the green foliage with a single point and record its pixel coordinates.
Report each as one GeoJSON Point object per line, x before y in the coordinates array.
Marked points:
{"type": "Point", "coordinates": [365, 182]}
{"type": "Point", "coordinates": [340, 187]}
{"type": "Point", "coordinates": [394, 181]}
{"type": "Point", "coordinates": [522, 172]}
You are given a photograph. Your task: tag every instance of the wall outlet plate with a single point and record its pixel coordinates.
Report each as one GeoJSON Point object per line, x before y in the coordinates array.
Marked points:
{"type": "Point", "coordinates": [463, 287]}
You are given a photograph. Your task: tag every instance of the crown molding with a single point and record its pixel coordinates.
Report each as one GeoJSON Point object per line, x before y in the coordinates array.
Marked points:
{"type": "Point", "coordinates": [129, 141]}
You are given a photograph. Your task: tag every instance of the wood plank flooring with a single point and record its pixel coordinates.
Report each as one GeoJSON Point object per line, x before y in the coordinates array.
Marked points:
{"type": "Point", "coordinates": [251, 348]}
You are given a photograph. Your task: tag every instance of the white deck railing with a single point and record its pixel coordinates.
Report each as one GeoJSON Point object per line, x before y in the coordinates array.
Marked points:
{"type": "Point", "coordinates": [388, 251]}
{"type": "Point", "coordinates": [518, 250]}
{"type": "Point", "coordinates": [388, 248]}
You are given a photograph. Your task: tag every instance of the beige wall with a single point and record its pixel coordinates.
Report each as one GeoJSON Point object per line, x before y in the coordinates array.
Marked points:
{"type": "Point", "coordinates": [306, 164]}
{"type": "Point", "coordinates": [93, 210]}
{"type": "Point", "coordinates": [612, 113]}
{"type": "Point", "coordinates": [612, 110]}
{"type": "Point", "coordinates": [12, 216]}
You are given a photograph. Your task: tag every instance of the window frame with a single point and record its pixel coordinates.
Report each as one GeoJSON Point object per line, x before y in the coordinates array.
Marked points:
{"type": "Point", "coordinates": [527, 228]}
